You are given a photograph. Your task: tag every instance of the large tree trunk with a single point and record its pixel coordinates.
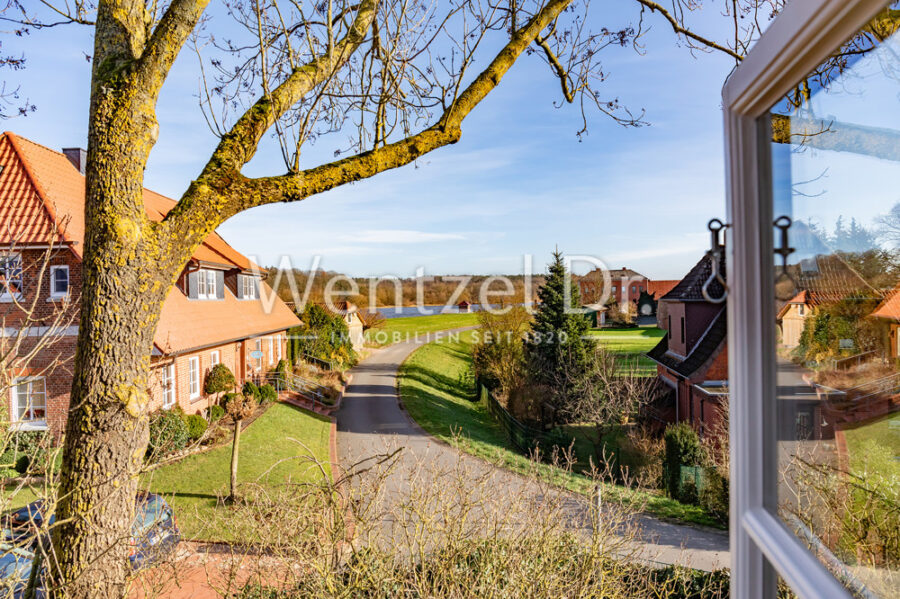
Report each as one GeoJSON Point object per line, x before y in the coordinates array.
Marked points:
{"type": "Point", "coordinates": [235, 447]}
{"type": "Point", "coordinates": [126, 274]}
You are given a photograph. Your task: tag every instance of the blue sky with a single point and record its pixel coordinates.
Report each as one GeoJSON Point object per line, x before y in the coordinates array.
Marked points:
{"type": "Point", "coordinates": [519, 182]}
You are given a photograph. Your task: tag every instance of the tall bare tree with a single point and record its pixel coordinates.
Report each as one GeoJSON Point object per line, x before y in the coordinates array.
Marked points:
{"type": "Point", "coordinates": [400, 77]}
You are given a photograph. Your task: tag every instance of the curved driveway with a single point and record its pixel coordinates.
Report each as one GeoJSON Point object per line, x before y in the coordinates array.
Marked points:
{"type": "Point", "coordinates": [371, 421]}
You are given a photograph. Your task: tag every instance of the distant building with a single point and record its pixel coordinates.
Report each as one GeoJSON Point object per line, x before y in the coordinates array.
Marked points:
{"type": "Point", "coordinates": [692, 358]}
{"type": "Point", "coordinates": [350, 313]}
{"type": "Point", "coordinates": [464, 306]}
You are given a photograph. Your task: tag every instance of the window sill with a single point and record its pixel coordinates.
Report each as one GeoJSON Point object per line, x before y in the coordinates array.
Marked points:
{"type": "Point", "coordinates": [7, 299]}
{"type": "Point", "coordinates": [58, 298]}
{"type": "Point", "coordinates": [29, 425]}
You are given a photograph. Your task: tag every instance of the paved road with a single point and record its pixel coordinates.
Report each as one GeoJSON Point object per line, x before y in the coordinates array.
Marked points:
{"type": "Point", "coordinates": [371, 421]}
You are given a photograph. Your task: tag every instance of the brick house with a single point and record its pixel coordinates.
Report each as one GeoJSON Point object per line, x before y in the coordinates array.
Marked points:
{"type": "Point", "coordinates": [692, 357]}
{"type": "Point", "coordinates": [219, 311]}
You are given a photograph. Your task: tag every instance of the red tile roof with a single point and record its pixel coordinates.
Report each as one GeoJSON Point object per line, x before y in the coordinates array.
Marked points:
{"type": "Point", "coordinates": [40, 191]}
{"type": "Point", "coordinates": [659, 288]}
{"type": "Point", "coordinates": [890, 306]}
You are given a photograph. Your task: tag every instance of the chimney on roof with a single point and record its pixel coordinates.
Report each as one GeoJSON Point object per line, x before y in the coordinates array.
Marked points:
{"type": "Point", "coordinates": [77, 156]}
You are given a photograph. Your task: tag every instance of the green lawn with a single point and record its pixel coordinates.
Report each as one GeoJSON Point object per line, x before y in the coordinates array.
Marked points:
{"type": "Point", "coordinates": [436, 393]}
{"type": "Point", "coordinates": [269, 454]}
{"type": "Point", "coordinates": [407, 327]}
{"type": "Point", "coordinates": [875, 446]}
{"type": "Point", "coordinates": [632, 343]}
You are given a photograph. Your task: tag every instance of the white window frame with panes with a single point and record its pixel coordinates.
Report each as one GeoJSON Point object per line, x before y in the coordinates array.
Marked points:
{"type": "Point", "coordinates": [193, 377]}
{"type": "Point", "coordinates": [762, 548]}
{"type": "Point", "coordinates": [54, 293]}
{"type": "Point", "coordinates": [168, 384]}
{"type": "Point", "coordinates": [29, 382]}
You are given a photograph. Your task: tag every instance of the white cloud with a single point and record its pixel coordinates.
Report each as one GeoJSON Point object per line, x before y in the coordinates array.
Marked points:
{"type": "Point", "coordinates": [400, 236]}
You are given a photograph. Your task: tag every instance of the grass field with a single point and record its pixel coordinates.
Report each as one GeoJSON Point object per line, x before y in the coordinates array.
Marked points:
{"type": "Point", "coordinates": [876, 447]}
{"type": "Point", "coordinates": [269, 454]}
{"type": "Point", "coordinates": [632, 342]}
{"type": "Point", "coordinates": [396, 330]}
{"type": "Point", "coordinates": [436, 393]}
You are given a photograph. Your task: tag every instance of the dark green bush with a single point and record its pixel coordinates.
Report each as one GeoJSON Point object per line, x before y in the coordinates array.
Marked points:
{"type": "Point", "coordinates": [219, 379]}
{"type": "Point", "coordinates": [267, 393]}
{"type": "Point", "coordinates": [283, 368]}
{"type": "Point", "coordinates": [168, 433]}
{"type": "Point", "coordinates": [250, 389]}
{"type": "Point", "coordinates": [683, 448]}
{"type": "Point", "coordinates": [196, 426]}
{"type": "Point", "coordinates": [28, 452]}
{"type": "Point", "coordinates": [714, 495]}
{"type": "Point", "coordinates": [216, 412]}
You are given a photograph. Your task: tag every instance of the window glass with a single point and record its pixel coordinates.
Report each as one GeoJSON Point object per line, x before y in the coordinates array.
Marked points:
{"type": "Point", "coordinates": [168, 385]}
{"type": "Point", "coordinates": [59, 280]}
{"type": "Point", "coordinates": [10, 275]}
{"type": "Point", "coordinates": [194, 377]}
{"type": "Point", "coordinates": [836, 208]}
{"type": "Point", "coordinates": [30, 399]}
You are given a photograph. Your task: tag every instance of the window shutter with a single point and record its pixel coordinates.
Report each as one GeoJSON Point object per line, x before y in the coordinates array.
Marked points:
{"type": "Point", "coordinates": [239, 287]}
{"type": "Point", "coordinates": [192, 285]}
{"type": "Point", "coordinates": [256, 287]}
{"type": "Point", "coordinates": [220, 284]}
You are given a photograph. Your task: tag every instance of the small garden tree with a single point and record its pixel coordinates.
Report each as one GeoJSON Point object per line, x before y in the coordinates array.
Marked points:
{"type": "Point", "coordinates": [218, 380]}
{"type": "Point", "coordinates": [607, 391]}
{"type": "Point", "coordinates": [240, 406]}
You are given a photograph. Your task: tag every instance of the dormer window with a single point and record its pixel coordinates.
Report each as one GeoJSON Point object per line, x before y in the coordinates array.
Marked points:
{"type": "Point", "coordinates": [10, 276]}
{"type": "Point", "coordinates": [248, 287]}
{"type": "Point", "coordinates": [206, 284]}
{"type": "Point", "coordinates": [59, 281]}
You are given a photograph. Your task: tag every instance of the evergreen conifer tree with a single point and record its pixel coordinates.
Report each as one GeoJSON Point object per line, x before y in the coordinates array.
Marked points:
{"type": "Point", "coordinates": [558, 346]}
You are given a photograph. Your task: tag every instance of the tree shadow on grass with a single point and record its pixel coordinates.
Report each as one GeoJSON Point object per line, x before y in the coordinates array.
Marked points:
{"type": "Point", "coordinates": [438, 381]}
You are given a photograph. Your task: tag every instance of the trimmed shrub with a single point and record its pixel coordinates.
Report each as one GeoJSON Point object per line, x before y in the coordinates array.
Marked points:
{"type": "Point", "coordinates": [283, 368]}
{"type": "Point", "coordinates": [27, 452]}
{"type": "Point", "coordinates": [683, 448]}
{"type": "Point", "coordinates": [215, 413]}
{"type": "Point", "coordinates": [267, 393]}
{"type": "Point", "coordinates": [168, 433]}
{"type": "Point", "coordinates": [227, 399]}
{"type": "Point", "coordinates": [714, 496]}
{"type": "Point", "coordinates": [219, 379]}
{"type": "Point", "coordinates": [196, 426]}
{"type": "Point", "coordinates": [250, 389]}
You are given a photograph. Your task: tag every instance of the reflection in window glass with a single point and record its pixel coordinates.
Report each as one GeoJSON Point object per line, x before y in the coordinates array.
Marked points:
{"type": "Point", "coordinates": [836, 161]}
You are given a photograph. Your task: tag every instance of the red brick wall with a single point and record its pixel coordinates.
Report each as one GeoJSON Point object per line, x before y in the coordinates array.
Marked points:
{"type": "Point", "coordinates": [230, 354]}
{"type": "Point", "coordinates": [54, 360]}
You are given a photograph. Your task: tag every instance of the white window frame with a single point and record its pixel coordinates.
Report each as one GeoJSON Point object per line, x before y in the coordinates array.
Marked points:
{"type": "Point", "coordinates": [278, 345]}
{"type": "Point", "coordinates": [801, 38]}
{"type": "Point", "coordinates": [213, 358]}
{"type": "Point", "coordinates": [248, 287]}
{"type": "Point", "coordinates": [28, 423]}
{"type": "Point", "coordinates": [54, 294]}
{"type": "Point", "coordinates": [206, 284]}
{"type": "Point", "coordinates": [168, 383]}
{"type": "Point", "coordinates": [5, 258]}
{"type": "Point", "coordinates": [271, 350]}
{"type": "Point", "coordinates": [194, 377]}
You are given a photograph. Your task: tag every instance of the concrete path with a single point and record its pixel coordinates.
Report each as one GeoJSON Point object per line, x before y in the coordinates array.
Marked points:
{"type": "Point", "coordinates": [371, 421]}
